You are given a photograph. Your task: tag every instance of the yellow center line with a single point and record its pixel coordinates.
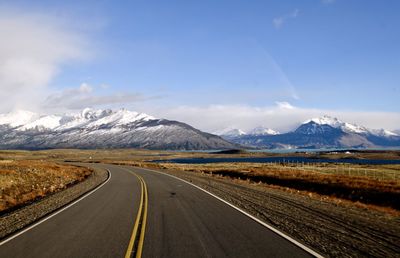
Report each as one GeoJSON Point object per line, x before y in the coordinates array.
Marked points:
{"type": "Point", "coordinates": [141, 219]}
{"type": "Point", "coordinates": [144, 220]}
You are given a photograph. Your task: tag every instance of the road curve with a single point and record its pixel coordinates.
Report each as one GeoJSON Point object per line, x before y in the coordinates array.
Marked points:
{"type": "Point", "coordinates": [180, 221]}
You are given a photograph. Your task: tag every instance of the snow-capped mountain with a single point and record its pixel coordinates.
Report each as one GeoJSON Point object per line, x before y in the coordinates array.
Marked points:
{"type": "Point", "coordinates": [348, 127]}
{"type": "Point", "coordinates": [261, 130]}
{"type": "Point", "coordinates": [323, 132]}
{"type": "Point", "coordinates": [101, 129]}
{"type": "Point", "coordinates": [235, 132]}
{"type": "Point", "coordinates": [230, 132]}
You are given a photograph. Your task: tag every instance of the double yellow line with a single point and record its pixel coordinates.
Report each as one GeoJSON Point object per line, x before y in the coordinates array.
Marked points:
{"type": "Point", "coordinates": [135, 246]}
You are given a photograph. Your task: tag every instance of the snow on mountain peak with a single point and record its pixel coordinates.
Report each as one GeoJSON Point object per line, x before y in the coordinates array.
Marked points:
{"type": "Point", "coordinates": [261, 130]}
{"type": "Point", "coordinates": [44, 122]}
{"type": "Point", "coordinates": [26, 120]}
{"type": "Point", "coordinates": [230, 131]}
{"type": "Point", "coordinates": [122, 117]}
{"type": "Point", "coordinates": [18, 117]}
{"type": "Point", "coordinates": [89, 113]}
{"type": "Point", "coordinates": [384, 133]}
{"type": "Point", "coordinates": [325, 120]}
{"type": "Point", "coordinates": [346, 127]}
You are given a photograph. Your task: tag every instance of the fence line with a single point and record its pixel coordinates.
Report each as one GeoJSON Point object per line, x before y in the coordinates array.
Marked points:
{"type": "Point", "coordinates": [338, 169]}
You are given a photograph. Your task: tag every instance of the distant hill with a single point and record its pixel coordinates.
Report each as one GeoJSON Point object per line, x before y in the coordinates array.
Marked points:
{"type": "Point", "coordinates": [102, 129]}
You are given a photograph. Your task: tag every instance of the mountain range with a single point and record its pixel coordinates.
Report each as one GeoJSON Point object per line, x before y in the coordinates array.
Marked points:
{"type": "Point", "coordinates": [322, 132]}
{"type": "Point", "coordinates": [102, 129]}
{"type": "Point", "coordinates": [231, 133]}
{"type": "Point", "coordinates": [127, 129]}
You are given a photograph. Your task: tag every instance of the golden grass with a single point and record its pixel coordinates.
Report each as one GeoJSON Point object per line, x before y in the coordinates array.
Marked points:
{"type": "Point", "coordinates": [326, 173]}
{"type": "Point", "coordinates": [26, 180]}
{"type": "Point", "coordinates": [364, 189]}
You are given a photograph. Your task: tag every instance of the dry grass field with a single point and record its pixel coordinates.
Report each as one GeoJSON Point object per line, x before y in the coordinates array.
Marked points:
{"type": "Point", "coordinates": [322, 179]}
{"type": "Point", "coordinates": [23, 181]}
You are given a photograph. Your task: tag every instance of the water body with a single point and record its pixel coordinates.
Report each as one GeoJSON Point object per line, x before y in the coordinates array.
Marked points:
{"type": "Point", "coordinates": [279, 160]}
{"type": "Point", "coordinates": [322, 150]}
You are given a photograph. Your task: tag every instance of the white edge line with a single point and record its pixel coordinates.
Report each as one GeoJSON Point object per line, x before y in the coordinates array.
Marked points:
{"type": "Point", "coordinates": [305, 248]}
{"type": "Point", "coordinates": [47, 217]}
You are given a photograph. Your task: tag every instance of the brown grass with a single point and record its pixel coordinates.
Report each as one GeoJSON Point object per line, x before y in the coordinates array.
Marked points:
{"type": "Point", "coordinates": [361, 189]}
{"type": "Point", "coordinates": [24, 181]}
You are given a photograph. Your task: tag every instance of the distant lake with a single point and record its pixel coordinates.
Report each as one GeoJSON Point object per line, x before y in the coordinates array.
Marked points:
{"type": "Point", "coordinates": [284, 151]}
{"type": "Point", "coordinates": [322, 150]}
{"type": "Point", "coordinates": [279, 160]}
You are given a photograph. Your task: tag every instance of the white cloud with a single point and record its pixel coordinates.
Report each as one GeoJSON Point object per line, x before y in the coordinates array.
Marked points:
{"type": "Point", "coordinates": [284, 105]}
{"type": "Point", "coordinates": [278, 22]}
{"type": "Point", "coordinates": [282, 117]}
{"type": "Point", "coordinates": [85, 88]}
{"type": "Point", "coordinates": [32, 49]}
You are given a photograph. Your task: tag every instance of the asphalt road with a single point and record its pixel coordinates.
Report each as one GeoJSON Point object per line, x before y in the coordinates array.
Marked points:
{"type": "Point", "coordinates": [182, 221]}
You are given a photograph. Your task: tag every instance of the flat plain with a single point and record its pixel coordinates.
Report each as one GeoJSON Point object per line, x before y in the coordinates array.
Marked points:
{"type": "Point", "coordinates": [331, 207]}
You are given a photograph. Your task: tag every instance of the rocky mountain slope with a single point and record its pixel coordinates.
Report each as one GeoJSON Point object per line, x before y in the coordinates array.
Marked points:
{"type": "Point", "coordinates": [102, 129]}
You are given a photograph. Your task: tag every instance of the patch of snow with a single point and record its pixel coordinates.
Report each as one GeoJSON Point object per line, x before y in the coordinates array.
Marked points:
{"type": "Point", "coordinates": [336, 123]}
{"type": "Point", "coordinates": [352, 128]}
{"type": "Point", "coordinates": [262, 131]}
{"type": "Point", "coordinates": [230, 131]}
{"type": "Point", "coordinates": [325, 120]}
{"type": "Point", "coordinates": [46, 122]}
{"type": "Point", "coordinates": [121, 117]}
{"type": "Point", "coordinates": [384, 133]}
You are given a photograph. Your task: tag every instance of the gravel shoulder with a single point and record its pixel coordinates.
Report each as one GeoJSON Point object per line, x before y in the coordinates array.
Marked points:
{"type": "Point", "coordinates": [334, 230]}
{"type": "Point", "coordinates": [22, 217]}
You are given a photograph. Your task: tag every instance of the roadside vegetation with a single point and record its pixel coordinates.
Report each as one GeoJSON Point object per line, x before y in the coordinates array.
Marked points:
{"type": "Point", "coordinates": [369, 184]}
{"type": "Point", "coordinates": [24, 181]}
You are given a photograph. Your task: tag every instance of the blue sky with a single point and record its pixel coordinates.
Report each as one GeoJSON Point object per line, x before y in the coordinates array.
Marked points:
{"type": "Point", "coordinates": [181, 59]}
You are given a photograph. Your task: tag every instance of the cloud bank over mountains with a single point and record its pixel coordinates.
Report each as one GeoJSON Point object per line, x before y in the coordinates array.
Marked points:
{"type": "Point", "coordinates": [282, 116]}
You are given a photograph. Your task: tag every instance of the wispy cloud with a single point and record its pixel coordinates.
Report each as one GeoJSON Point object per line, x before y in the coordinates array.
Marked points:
{"type": "Point", "coordinates": [328, 1]}
{"type": "Point", "coordinates": [284, 105]}
{"type": "Point", "coordinates": [278, 22]}
{"type": "Point", "coordinates": [87, 96]}
{"type": "Point", "coordinates": [287, 85]}
{"type": "Point", "coordinates": [32, 49]}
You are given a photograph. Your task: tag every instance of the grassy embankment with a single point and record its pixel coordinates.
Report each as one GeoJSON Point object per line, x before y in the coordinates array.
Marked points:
{"type": "Point", "coordinates": [24, 181]}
